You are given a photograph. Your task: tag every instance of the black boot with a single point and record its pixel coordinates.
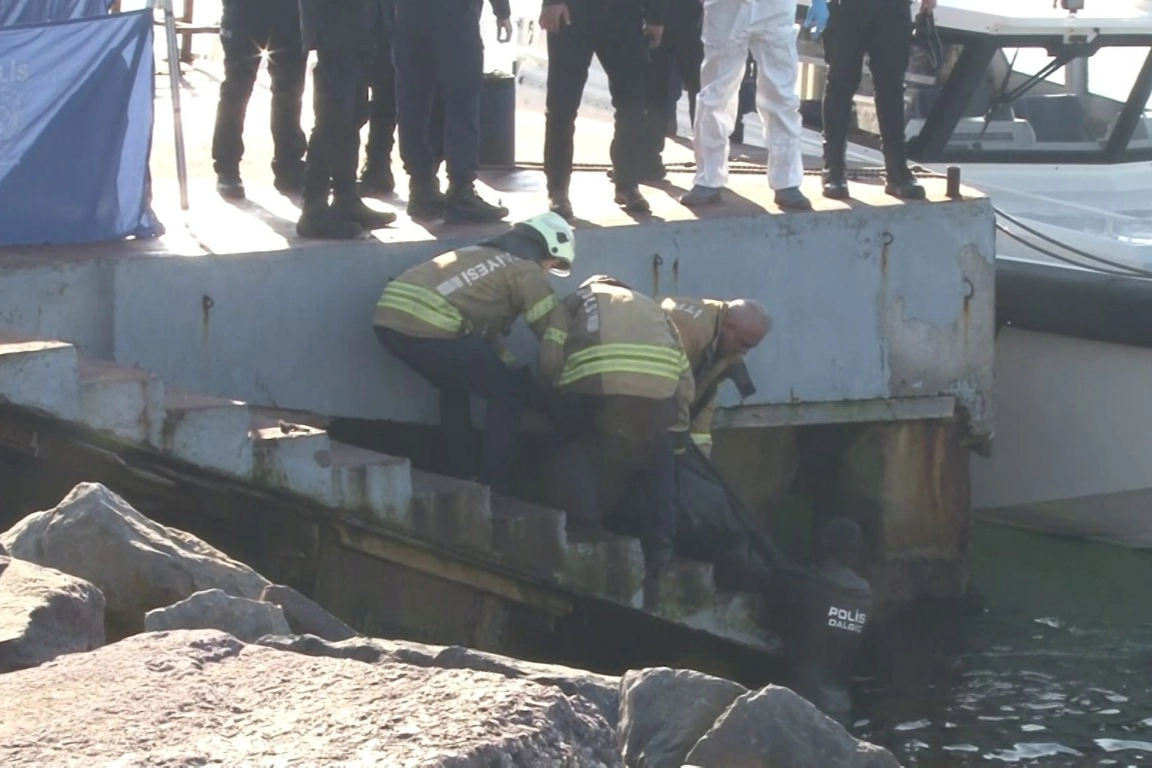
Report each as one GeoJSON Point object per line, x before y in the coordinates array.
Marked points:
{"type": "Point", "coordinates": [464, 206]}
{"type": "Point", "coordinates": [368, 218]}
{"type": "Point", "coordinates": [376, 179]}
{"type": "Point", "coordinates": [835, 184]}
{"type": "Point", "coordinates": [559, 203]}
{"type": "Point", "coordinates": [899, 182]}
{"type": "Point", "coordinates": [318, 220]}
{"type": "Point", "coordinates": [629, 198]}
{"type": "Point", "coordinates": [229, 186]}
{"type": "Point", "coordinates": [425, 200]}
{"type": "Point", "coordinates": [288, 178]}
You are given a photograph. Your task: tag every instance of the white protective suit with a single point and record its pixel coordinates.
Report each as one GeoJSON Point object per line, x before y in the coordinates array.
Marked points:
{"type": "Point", "coordinates": [732, 28]}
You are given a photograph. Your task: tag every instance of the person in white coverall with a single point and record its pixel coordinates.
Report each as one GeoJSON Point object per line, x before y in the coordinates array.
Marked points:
{"type": "Point", "coordinates": [731, 29]}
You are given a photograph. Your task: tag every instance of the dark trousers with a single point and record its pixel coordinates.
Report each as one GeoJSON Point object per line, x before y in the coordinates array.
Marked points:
{"type": "Point", "coordinates": [680, 53]}
{"type": "Point", "coordinates": [382, 106]}
{"type": "Point", "coordinates": [595, 467]}
{"type": "Point", "coordinates": [340, 101]}
{"type": "Point", "coordinates": [882, 29]}
{"type": "Point", "coordinates": [461, 367]}
{"type": "Point", "coordinates": [248, 26]}
{"type": "Point", "coordinates": [612, 30]}
{"type": "Point", "coordinates": [437, 48]}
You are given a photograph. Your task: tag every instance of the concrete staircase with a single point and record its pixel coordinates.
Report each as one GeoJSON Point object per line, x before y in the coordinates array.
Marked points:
{"type": "Point", "coordinates": [227, 437]}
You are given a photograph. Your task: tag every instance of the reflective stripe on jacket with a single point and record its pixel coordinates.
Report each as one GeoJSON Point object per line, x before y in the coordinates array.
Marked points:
{"type": "Point", "coordinates": [699, 322]}
{"type": "Point", "coordinates": [613, 341]}
{"type": "Point", "coordinates": [477, 290]}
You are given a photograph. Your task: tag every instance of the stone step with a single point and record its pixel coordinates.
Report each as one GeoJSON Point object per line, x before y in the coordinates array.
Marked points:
{"type": "Point", "coordinates": [605, 564]}
{"type": "Point", "coordinates": [737, 616]}
{"type": "Point", "coordinates": [209, 432]}
{"type": "Point", "coordinates": [686, 586]}
{"type": "Point", "coordinates": [124, 402]}
{"type": "Point", "coordinates": [450, 511]}
{"type": "Point", "coordinates": [42, 376]}
{"type": "Point", "coordinates": [375, 485]}
{"type": "Point", "coordinates": [294, 458]}
{"type": "Point", "coordinates": [530, 536]}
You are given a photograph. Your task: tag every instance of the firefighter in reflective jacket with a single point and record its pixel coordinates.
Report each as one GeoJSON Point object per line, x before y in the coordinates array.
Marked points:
{"type": "Point", "coordinates": [623, 389]}
{"type": "Point", "coordinates": [445, 319]}
{"type": "Point", "coordinates": [716, 335]}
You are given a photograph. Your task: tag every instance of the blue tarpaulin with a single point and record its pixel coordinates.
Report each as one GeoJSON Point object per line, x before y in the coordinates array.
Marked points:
{"type": "Point", "coordinates": [76, 130]}
{"type": "Point", "coordinates": [41, 11]}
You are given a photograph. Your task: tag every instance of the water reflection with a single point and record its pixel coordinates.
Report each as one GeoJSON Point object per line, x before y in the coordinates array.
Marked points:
{"type": "Point", "coordinates": [1052, 670]}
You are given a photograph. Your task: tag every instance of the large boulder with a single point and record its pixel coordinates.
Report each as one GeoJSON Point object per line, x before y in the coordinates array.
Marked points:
{"type": "Point", "coordinates": [198, 697]}
{"type": "Point", "coordinates": [776, 728]}
{"type": "Point", "coordinates": [248, 620]}
{"type": "Point", "coordinates": [663, 712]}
{"type": "Point", "coordinates": [306, 617]}
{"type": "Point", "coordinates": [599, 690]}
{"type": "Point", "coordinates": [138, 564]}
{"type": "Point", "coordinates": [45, 613]}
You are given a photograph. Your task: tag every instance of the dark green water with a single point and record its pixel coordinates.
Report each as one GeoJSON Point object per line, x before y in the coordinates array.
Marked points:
{"type": "Point", "coordinates": [1054, 671]}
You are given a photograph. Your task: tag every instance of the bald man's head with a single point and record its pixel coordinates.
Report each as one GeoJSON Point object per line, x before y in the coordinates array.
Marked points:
{"type": "Point", "coordinates": [746, 323]}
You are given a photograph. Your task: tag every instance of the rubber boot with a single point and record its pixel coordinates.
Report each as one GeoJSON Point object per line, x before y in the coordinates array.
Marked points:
{"type": "Point", "coordinates": [464, 206]}
{"type": "Point", "coordinates": [835, 178]}
{"type": "Point", "coordinates": [792, 199]}
{"type": "Point", "coordinates": [700, 195]}
{"type": "Point", "coordinates": [629, 198]}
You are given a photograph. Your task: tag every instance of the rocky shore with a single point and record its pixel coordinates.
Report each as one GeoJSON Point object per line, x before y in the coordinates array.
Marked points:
{"type": "Point", "coordinates": [123, 642]}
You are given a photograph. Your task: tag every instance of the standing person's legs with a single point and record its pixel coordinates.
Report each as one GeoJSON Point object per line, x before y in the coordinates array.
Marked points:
{"type": "Point", "coordinates": [889, 50]}
{"type": "Point", "coordinates": [376, 178]}
{"type": "Point", "coordinates": [460, 75]}
{"type": "Point", "coordinates": [287, 66]}
{"type": "Point", "coordinates": [725, 54]}
{"type": "Point", "coordinates": [623, 53]}
{"type": "Point", "coordinates": [844, 46]}
{"type": "Point", "coordinates": [773, 45]}
{"type": "Point", "coordinates": [243, 32]}
{"type": "Point", "coordinates": [569, 56]}
{"type": "Point", "coordinates": [414, 50]}
{"type": "Point", "coordinates": [659, 104]}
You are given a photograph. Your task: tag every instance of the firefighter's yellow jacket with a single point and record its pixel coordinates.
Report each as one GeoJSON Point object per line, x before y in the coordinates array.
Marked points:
{"type": "Point", "coordinates": [616, 341]}
{"type": "Point", "coordinates": [699, 322]}
{"type": "Point", "coordinates": [478, 290]}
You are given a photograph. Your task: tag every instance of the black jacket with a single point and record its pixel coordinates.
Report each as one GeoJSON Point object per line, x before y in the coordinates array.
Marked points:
{"type": "Point", "coordinates": [358, 24]}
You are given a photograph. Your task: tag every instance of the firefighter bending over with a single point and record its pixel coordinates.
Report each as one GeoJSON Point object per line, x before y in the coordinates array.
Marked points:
{"type": "Point", "coordinates": [622, 392]}
{"type": "Point", "coordinates": [445, 319]}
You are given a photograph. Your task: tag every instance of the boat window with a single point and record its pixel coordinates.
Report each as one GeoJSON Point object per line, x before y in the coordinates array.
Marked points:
{"type": "Point", "coordinates": [1047, 98]}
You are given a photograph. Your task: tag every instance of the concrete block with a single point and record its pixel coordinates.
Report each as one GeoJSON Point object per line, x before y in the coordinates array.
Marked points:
{"type": "Point", "coordinates": [686, 586]}
{"type": "Point", "coordinates": [529, 536]}
{"type": "Point", "coordinates": [294, 458]}
{"type": "Point", "coordinates": [209, 432]}
{"type": "Point", "coordinates": [42, 376]}
{"type": "Point", "coordinates": [737, 616]}
{"type": "Point", "coordinates": [602, 563]}
{"type": "Point", "coordinates": [127, 403]}
{"type": "Point", "coordinates": [374, 484]}
{"type": "Point", "coordinates": [451, 512]}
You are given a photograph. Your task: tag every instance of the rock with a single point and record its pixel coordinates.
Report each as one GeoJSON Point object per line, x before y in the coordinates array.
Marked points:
{"type": "Point", "coordinates": [663, 712]}
{"type": "Point", "coordinates": [44, 614]}
{"type": "Point", "coordinates": [776, 728]}
{"type": "Point", "coordinates": [139, 565]}
{"type": "Point", "coordinates": [202, 697]}
{"type": "Point", "coordinates": [602, 691]}
{"type": "Point", "coordinates": [248, 620]}
{"type": "Point", "coordinates": [306, 617]}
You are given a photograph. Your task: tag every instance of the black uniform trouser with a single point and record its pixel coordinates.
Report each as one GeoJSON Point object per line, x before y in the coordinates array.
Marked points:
{"type": "Point", "coordinates": [613, 31]}
{"type": "Point", "coordinates": [247, 27]}
{"type": "Point", "coordinates": [382, 106]}
{"type": "Point", "coordinates": [340, 97]}
{"type": "Point", "coordinates": [437, 48]}
{"type": "Point", "coordinates": [459, 368]}
{"type": "Point", "coordinates": [680, 52]}
{"type": "Point", "coordinates": [595, 468]}
{"type": "Point", "coordinates": [882, 29]}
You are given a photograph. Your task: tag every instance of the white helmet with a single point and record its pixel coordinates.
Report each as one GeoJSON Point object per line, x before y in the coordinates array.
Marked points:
{"type": "Point", "coordinates": [558, 237]}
